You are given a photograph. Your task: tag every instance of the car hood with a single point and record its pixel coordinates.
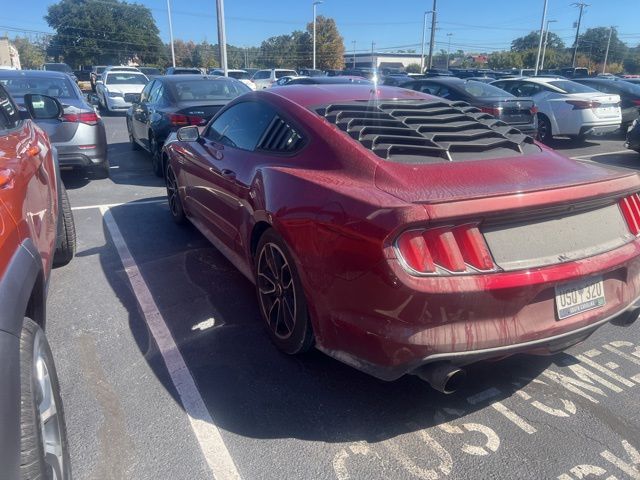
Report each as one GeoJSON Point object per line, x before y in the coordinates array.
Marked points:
{"type": "Point", "coordinates": [454, 181]}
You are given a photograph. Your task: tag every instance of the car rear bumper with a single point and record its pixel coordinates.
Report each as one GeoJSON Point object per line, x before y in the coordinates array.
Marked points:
{"type": "Point", "coordinates": [412, 321]}
{"type": "Point", "coordinates": [599, 129]}
{"type": "Point", "coordinates": [87, 148]}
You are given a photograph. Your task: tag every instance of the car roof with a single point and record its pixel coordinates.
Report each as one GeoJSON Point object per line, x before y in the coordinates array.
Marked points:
{"type": "Point", "coordinates": [444, 79]}
{"type": "Point", "coordinates": [34, 73]}
{"type": "Point", "coordinates": [324, 94]}
{"type": "Point", "coordinates": [182, 78]}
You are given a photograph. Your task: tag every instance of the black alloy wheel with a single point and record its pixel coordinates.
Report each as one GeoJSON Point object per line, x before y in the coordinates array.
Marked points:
{"type": "Point", "coordinates": [173, 196]}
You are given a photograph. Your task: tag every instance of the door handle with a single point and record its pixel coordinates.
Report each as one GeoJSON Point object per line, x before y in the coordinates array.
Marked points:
{"type": "Point", "coordinates": [228, 174]}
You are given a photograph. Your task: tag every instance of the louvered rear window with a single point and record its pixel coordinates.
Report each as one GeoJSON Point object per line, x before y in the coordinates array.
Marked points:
{"type": "Point", "coordinates": [280, 137]}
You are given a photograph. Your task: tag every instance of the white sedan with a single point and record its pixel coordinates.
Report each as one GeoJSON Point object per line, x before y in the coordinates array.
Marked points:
{"type": "Point", "coordinates": [565, 107]}
{"type": "Point", "coordinates": [117, 90]}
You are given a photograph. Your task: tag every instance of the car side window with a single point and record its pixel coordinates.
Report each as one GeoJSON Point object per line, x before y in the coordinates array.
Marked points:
{"type": "Point", "coordinates": [262, 75]}
{"type": "Point", "coordinates": [9, 115]}
{"type": "Point", "coordinates": [444, 92]}
{"type": "Point", "coordinates": [507, 86]}
{"type": "Point", "coordinates": [528, 89]}
{"type": "Point", "coordinates": [429, 88]}
{"type": "Point", "coordinates": [241, 125]}
{"type": "Point", "coordinates": [156, 93]}
{"type": "Point", "coordinates": [146, 91]}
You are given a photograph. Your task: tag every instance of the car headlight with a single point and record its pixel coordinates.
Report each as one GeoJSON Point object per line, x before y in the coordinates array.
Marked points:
{"type": "Point", "coordinates": [115, 94]}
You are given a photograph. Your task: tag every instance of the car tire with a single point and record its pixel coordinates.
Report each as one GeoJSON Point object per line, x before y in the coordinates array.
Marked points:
{"type": "Point", "coordinates": [156, 161]}
{"type": "Point", "coordinates": [281, 296]}
{"type": "Point", "coordinates": [102, 171]}
{"type": "Point", "coordinates": [66, 231]}
{"type": "Point", "coordinates": [43, 440]}
{"type": "Point", "coordinates": [132, 140]}
{"type": "Point", "coordinates": [173, 197]}
{"type": "Point", "coordinates": [545, 134]}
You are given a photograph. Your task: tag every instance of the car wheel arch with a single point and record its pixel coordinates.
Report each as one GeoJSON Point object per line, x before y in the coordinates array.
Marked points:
{"type": "Point", "coordinates": [256, 233]}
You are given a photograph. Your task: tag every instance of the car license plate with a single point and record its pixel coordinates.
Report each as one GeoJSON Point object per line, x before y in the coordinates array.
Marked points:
{"type": "Point", "coordinates": [576, 297]}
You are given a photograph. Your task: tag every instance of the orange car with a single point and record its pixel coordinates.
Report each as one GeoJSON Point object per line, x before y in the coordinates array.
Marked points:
{"type": "Point", "coordinates": [36, 233]}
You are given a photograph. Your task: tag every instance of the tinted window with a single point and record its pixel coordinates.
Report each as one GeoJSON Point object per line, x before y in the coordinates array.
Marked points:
{"type": "Point", "coordinates": [58, 67]}
{"type": "Point", "coordinates": [242, 125]}
{"type": "Point", "coordinates": [239, 75]}
{"type": "Point", "coordinates": [150, 71]}
{"type": "Point", "coordinates": [567, 86]}
{"type": "Point", "coordinates": [9, 116]}
{"type": "Point", "coordinates": [208, 89]}
{"type": "Point", "coordinates": [262, 74]}
{"type": "Point", "coordinates": [124, 78]}
{"type": "Point", "coordinates": [526, 89]}
{"type": "Point", "coordinates": [156, 93]}
{"type": "Point", "coordinates": [479, 89]}
{"type": "Point", "coordinates": [54, 87]}
{"type": "Point", "coordinates": [146, 91]}
{"type": "Point", "coordinates": [285, 73]}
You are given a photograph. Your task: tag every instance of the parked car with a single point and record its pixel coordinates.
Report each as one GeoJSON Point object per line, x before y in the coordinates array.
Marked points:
{"type": "Point", "coordinates": [241, 75]}
{"type": "Point", "coordinates": [286, 79]}
{"type": "Point", "coordinates": [519, 112]}
{"type": "Point", "coordinates": [566, 107]}
{"type": "Point", "coordinates": [121, 68]}
{"type": "Point", "coordinates": [266, 78]}
{"type": "Point", "coordinates": [79, 134]}
{"type": "Point", "coordinates": [96, 74]}
{"type": "Point", "coordinates": [407, 234]}
{"type": "Point", "coordinates": [482, 79]}
{"type": "Point", "coordinates": [60, 67]}
{"type": "Point", "coordinates": [150, 72]}
{"type": "Point", "coordinates": [310, 72]}
{"type": "Point", "coordinates": [119, 89]}
{"type": "Point", "coordinates": [395, 79]}
{"type": "Point", "coordinates": [328, 81]}
{"type": "Point", "coordinates": [172, 101]}
{"type": "Point", "coordinates": [37, 234]}
{"type": "Point", "coordinates": [183, 71]}
{"type": "Point", "coordinates": [332, 73]}
{"type": "Point", "coordinates": [633, 136]}
{"type": "Point", "coordinates": [629, 95]}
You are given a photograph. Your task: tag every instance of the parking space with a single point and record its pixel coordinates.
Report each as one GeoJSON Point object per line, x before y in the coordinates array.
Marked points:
{"type": "Point", "coordinates": [216, 398]}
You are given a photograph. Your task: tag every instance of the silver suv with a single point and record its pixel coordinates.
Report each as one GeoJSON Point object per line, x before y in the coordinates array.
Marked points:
{"type": "Point", "coordinates": [266, 78]}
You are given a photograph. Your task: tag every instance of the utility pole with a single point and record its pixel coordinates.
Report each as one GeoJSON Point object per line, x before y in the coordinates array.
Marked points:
{"type": "Point", "coordinates": [315, 4]}
{"type": "Point", "coordinates": [544, 18]}
{"type": "Point", "coordinates": [575, 43]}
{"type": "Point", "coordinates": [222, 37]}
{"type": "Point", "coordinates": [433, 35]}
{"type": "Point", "coordinates": [173, 53]}
{"type": "Point", "coordinates": [373, 62]}
{"type": "Point", "coordinates": [606, 53]}
{"type": "Point", "coordinates": [424, 34]}
{"type": "Point", "coordinates": [354, 54]}
{"type": "Point", "coordinates": [546, 41]}
{"type": "Point", "coordinates": [448, 48]}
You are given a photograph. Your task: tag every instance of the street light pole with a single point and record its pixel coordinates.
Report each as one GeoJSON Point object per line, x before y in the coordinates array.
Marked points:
{"type": "Point", "coordinates": [606, 53]}
{"type": "Point", "coordinates": [222, 37]}
{"type": "Point", "coordinates": [433, 35]}
{"type": "Point", "coordinates": [173, 53]}
{"type": "Point", "coordinates": [354, 54]}
{"type": "Point", "coordinates": [315, 4]}
{"type": "Point", "coordinates": [546, 41]}
{"type": "Point", "coordinates": [448, 48]}
{"type": "Point", "coordinates": [424, 34]}
{"type": "Point", "coordinates": [544, 17]}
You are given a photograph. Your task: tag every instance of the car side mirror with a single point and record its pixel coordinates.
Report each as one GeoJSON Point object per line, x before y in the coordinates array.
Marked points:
{"type": "Point", "coordinates": [189, 134]}
{"type": "Point", "coordinates": [42, 107]}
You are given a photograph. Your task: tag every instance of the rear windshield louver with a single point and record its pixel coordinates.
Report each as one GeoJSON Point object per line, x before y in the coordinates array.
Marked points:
{"type": "Point", "coordinates": [280, 137]}
{"type": "Point", "coordinates": [427, 131]}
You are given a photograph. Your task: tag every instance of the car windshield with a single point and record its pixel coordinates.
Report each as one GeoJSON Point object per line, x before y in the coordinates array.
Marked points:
{"type": "Point", "coordinates": [125, 78]}
{"type": "Point", "coordinates": [208, 89]}
{"type": "Point", "coordinates": [567, 86]}
{"type": "Point", "coordinates": [481, 89]}
{"type": "Point", "coordinates": [186, 71]}
{"type": "Point", "coordinates": [285, 73]}
{"type": "Point", "coordinates": [58, 67]}
{"type": "Point", "coordinates": [54, 87]}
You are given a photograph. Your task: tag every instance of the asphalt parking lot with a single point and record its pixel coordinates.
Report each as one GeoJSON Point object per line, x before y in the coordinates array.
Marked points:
{"type": "Point", "coordinates": [166, 371]}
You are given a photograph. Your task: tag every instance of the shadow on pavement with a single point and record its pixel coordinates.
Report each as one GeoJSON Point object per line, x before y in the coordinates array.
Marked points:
{"type": "Point", "coordinates": [248, 386]}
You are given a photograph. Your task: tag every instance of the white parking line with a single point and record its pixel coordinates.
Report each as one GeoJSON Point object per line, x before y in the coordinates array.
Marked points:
{"type": "Point", "coordinates": [124, 204]}
{"type": "Point", "coordinates": [591, 155]}
{"type": "Point", "coordinates": [207, 434]}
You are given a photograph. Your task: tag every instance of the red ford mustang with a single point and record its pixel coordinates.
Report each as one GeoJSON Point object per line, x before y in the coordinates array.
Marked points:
{"type": "Point", "coordinates": [401, 233]}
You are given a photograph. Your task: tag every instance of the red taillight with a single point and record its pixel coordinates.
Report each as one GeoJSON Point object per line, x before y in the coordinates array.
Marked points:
{"type": "Point", "coordinates": [444, 250]}
{"type": "Point", "coordinates": [179, 120]}
{"type": "Point", "coordinates": [495, 111]}
{"type": "Point", "coordinates": [90, 118]}
{"type": "Point", "coordinates": [533, 110]}
{"type": "Point", "coordinates": [630, 207]}
{"type": "Point", "coordinates": [583, 104]}
{"type": "Point", "coordinates": [636, 102]}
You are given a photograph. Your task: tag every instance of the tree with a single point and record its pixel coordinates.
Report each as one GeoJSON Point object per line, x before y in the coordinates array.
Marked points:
{"type": "Point", "coordinates": [329, 43]}
{"type": "Point", "coordinates": [532, 40]}
{"type": "Point", "coordinates": [32, 54]}
{"type": "Point", "coordinates": [594, 41]}
{"type": "Point", "coordinates": [502, 60]}
{"type": "Point", "coordinates": [413, 68]}
{"type": "Point", "coordinates": [632, 62]}
{"type": "Point", "coordinates": [103, 31]}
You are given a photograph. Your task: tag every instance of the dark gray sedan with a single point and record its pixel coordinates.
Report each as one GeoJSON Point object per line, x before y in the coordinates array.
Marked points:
{"type": "Point", "coordinates": [79, 135]}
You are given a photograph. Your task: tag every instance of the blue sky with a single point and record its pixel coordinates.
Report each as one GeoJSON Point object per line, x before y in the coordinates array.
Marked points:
{"type": "Point", "coordinates": [475, 25]}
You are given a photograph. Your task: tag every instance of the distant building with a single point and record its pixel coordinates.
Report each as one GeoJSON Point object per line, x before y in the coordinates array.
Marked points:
{"type": "Point", "coordinates": [9, 57]}
{"type": "Point", "coordinates": [380, 60]}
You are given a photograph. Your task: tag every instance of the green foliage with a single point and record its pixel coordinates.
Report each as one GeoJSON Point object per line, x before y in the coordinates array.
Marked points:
{"type": "Point", "coordinates": [32, 54]}
{"type": "Point", "coordinates": [103, 32]}
{"type": "Point", "coordinates": [593, 42]}
{"type": "Point", "coordinates": [532, 40]}
{"type": "Point", "coordinates": [413, 68]}
{"type": "Point", "coordinates": [502, 60]}
{"type": "Point", "coordinates": [632, 62]}
{"type": "Point", "coordinates": [329, 43]}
